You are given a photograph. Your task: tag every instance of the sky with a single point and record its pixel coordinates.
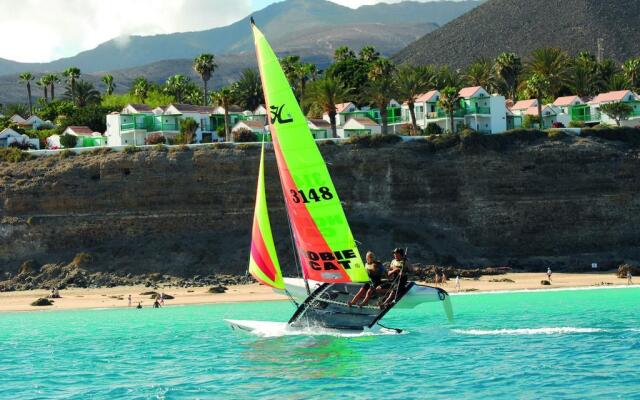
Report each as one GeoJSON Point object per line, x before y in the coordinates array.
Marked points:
{"type": "Point", "coordinates": [45, 30]}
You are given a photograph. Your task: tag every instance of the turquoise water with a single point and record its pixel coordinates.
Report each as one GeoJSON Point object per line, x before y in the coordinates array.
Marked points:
{"type": "Point", "coordinates": [566, 344]}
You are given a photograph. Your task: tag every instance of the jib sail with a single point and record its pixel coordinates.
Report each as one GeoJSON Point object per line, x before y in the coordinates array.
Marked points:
{"type": "Point", "coordinates": [263, 261]}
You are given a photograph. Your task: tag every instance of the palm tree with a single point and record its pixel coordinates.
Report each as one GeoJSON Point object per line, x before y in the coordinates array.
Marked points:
{"type": "Point", "coordinates": [205, 65]}
{"type": "Point", "coordinates": [52, 80]}
{"type": "Point", "coordinates": [305, 72]}
{"type": "Point", "coordinates": [72, 74]}
{"type": "Point", "coordinates": [449, 102]}
{"type": "Point", "coordinates": [507, 68]}
{"type": "Point", "coordinates": [343, 53]}
{"type": "Point", "coordinates": [381, 89]}
{"type": "Point", "coordinates": [478, 73]}
{"type": "Point", "coordinates": [223, 98]}
{"type": "Point", "coordinates": [177, 86]}
{"type": "Point", "coordinates": [140, 88]}
{"type": "Point", "coordinates": [446, 77]}
{"type": "Point", "coordinates": [536, 86]}
{"type": "Point", "coordinates": [248, 90]}
{"type": "Point", "coordinates": [631, 69]}
{"type": "Point", "coordinates": [410, 82]}
{"type": "Point", "coordinates": [368, 54]}
{"type": "Point", "coordinates": [27, 77]}
{"type": "Point", "coordinates": [381, 68]}
{"type": "Point", "coordinates": [584, 75]}
{"type": "Point", "coordinates": [85, 93]}
{"type": "Point", "coordinates": [108, 81]}
{"type": "Point", "coordinates": [290, 66]}
{"type": "Point", "coordinates": [554, 65]}
{"type": "Point", "coordinates": [44, 85]}
{"type": "Point", "coordinates": [326, 93]}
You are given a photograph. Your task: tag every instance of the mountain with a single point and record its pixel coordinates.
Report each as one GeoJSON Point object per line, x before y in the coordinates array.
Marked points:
{"type": "Point", "coordinates": [315, 45]}
{"type": "Point", "coordinates": [279, 21]}
{"type": "Point", "coordinates": [522, 25]}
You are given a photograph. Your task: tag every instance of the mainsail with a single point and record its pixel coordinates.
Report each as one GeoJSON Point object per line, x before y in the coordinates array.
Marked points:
{"type": "Point", "coordinates": [263, 261]}
{"type": "Point", "coordinates": [325, 244]}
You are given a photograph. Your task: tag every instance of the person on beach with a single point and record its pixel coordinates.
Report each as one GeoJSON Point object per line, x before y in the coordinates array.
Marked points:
{"type": "Point", "coordinates": [398, 270]}
{"type": "Point", "coordinates": [139, 305]}
{"type": "Point", "coordinates": [156, 303]}
{"type": "Point", "coordinates": [162, 298]}
{"type": "Point", "coordinates": [375, 270]}
{"type": "Point", "coordinates": [443, 279]}
{"type": "Point", "coordinates": [129, 300]}
{"type": "Point", "coordinates": [436, 278]}
{"type": "Point", "coordinates": [549, 273]}
{"type": "Point", "coordinates": [458, 282]}
{"type": "Point", "coordinates": [629, 277]}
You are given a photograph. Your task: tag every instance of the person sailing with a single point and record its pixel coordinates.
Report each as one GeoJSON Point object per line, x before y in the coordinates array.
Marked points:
{"type": "Point", "coordinates": [375, 270]}
{"type": "Point", "coordinates": [398, 270]}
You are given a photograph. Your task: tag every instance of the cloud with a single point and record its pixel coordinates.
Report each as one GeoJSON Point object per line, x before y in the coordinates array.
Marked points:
{"type": "Point", "coordinates": [40, 31]}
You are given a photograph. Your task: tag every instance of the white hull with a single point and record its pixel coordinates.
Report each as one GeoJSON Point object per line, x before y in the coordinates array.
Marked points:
{"type": "Point", "coordinates": [418, 294]}
{"type": "Point", "coordinates": [272, 329]}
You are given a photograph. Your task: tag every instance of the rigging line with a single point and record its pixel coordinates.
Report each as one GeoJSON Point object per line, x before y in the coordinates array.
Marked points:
{"type": "Point", "coordinates": [295, 303]}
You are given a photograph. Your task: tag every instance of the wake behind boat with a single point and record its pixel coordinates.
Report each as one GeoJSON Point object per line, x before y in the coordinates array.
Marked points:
{"type": "Point", "coordinates": [326, 252]}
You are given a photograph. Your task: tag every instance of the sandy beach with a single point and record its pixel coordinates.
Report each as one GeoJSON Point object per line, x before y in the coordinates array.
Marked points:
{"type": "Point", "coordinates": [76, 298]}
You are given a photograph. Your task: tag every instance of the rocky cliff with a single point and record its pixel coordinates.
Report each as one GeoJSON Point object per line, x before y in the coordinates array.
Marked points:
{"type": "Point", "coordinates": [567, 202]}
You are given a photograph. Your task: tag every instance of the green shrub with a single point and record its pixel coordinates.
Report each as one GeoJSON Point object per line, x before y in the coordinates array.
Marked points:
{"type": "Point", "coordinates": [444, 141]}
{"type": "Point", "coordinates": [67, 153]}
{"type": "Point", "coordinates": [556, 135]}
{"type": "Point", "coordinates": [622, 134]}
{"type": "Point", "coordinates": [68, 141]}
{"type": "Point", "coordinates": [11, 154]}
{"type": "Point", "coordinates": [154, 138]}
{"type": "Point", "coordinates": [179, 149]}
{"type": "Point", "coordinates": [160, 148]}
{"type": "Point", "coordinates": [433, 129]}
{"type": "Point", "coordinates": [130, 149]}
{"type": "Point", "coordinates": [530, 121]}
{"type": "Point", "coordinates": [328, 142]}
{"type": "Point", "coordinates": [101, 150]}
{"type": "Point", "coordinates": [247, 146]}
{"type": "Point", "coordinates": [576, 124]}
{"type": "Point", "coordinates": [222, 145]}
{"type": "Point", "coordinates": [374, 140]}
{"type": "Point", "coordinates": [244, 136]}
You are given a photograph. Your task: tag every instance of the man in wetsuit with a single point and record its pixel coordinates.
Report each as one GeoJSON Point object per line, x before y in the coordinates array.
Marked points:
{"type": "Point", "coordinates": [398, 271]}
{"type": "Point", "coordinates": [375, 270]}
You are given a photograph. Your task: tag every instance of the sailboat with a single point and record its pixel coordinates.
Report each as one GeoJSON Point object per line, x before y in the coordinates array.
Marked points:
{"type": "Point", "coordinates": [326, 251]}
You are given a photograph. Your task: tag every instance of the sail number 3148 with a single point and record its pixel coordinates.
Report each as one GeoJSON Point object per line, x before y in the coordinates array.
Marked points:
{"type": "Point", "coordinates": [300, 196]}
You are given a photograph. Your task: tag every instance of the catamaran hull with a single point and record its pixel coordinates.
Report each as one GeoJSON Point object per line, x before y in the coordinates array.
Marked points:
{"type": "Point", "coordinates": [418, 294]}
{"type": "Point", "coordinates": [270, 328]}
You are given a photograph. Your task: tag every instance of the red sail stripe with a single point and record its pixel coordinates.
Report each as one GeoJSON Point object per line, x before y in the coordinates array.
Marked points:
{"type": "Point", "coordinates": [260, 253]}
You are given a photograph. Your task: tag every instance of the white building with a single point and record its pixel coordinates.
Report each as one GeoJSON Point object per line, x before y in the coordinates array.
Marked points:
{"type": "Point", "coordinates": [359, 126]}
{"type": "Point", "coordinates": [320, 129]}
{"type": "Point", "coordinates": [341, 108]}
{"type": "Point", "coordinates": [8, 136]}
{"type": "Point", "coordinates": [201, 114]}
{"type": "Point", "coordinates": [133, 128]}
{"type": "Point", "coordinates": [620, 96]}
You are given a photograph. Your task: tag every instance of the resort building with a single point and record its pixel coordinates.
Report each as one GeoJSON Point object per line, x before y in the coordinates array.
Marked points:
{"type": "Point", "coordinates": [477, 109]}
{"type": "Point", "coordinates": [320, 129]}
{"type": "Point", "coordinates": [342, 113]}
{"type": "Point", "coordinates": [132, 128]}
{"type": "Point", "coordinates": [86, 136]}
{"type": "Point", "coordinates": [620, 96]}
{"type": "Point", "coordinates": [8, 137]}
{"type": "Point", "coordinates": [201, 114]}
{"type": "Point", "coordinates": [359, 126]}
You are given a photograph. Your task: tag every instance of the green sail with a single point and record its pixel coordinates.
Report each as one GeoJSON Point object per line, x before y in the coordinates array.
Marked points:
{"type": "Point", "coordinates": [325, 244]}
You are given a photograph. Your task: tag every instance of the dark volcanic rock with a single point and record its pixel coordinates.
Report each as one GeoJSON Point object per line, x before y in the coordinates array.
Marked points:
{"type": "Point", "coordinates": [217, 289]}
{"type": "Point", "coordinates": [545, 283]}
{"type": "Point", "coordinates": [42, 302]}
{"type": "Point", "coordinates": [569, 202]}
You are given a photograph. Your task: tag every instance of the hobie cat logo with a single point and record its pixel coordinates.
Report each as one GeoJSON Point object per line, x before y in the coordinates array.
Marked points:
{"type": "Point", "coordinates": [276, 115]}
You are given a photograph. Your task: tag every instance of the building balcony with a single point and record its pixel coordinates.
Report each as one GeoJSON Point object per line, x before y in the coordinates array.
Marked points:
{"type": "Point", "coordinates": [441, 114]}
{"type": "Point", "coordinates": [164, 127]}
{"type": "Point", "coordinates": [479, 110]}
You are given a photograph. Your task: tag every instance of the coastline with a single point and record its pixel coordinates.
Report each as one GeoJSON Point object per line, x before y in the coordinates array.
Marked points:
{"type": "Point", "coordinates": [117, 297]}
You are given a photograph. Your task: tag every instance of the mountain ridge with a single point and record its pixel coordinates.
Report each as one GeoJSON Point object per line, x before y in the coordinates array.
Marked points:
{"type": "Point", "coordinates": [521, 26]}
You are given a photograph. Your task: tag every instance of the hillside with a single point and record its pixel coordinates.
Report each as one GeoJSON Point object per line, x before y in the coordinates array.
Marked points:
{"type": "Point", "coordinates": [521, 26]}
{"type": "Point", "coordinates": [279, 21]}
{"type": "Point", "coordinates": [315, 45]}
{"type": "Point", "coordinates": [560, 203]}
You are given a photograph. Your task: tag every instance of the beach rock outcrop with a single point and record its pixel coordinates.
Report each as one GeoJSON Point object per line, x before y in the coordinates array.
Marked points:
{"type": "Point", "coordinates": [624, 268]}
{"type": "Point", "coordinates": [545, 282]}
{"type": "Point", "coordinates": [42, 302]}
{"type": "Point", "coordinates": [217, 289]}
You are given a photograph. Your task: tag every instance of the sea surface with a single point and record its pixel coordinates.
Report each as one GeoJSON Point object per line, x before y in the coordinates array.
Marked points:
{"type": "Point", "coordinates": [530, 345]}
